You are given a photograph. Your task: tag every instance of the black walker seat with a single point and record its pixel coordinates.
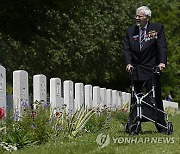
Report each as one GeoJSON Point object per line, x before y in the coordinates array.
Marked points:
{"type": "Point", "coordinates": [143, 108]}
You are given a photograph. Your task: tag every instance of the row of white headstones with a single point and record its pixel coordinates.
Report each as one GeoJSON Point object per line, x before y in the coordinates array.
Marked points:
{"type": "Point", "coordinates": [74, 95]}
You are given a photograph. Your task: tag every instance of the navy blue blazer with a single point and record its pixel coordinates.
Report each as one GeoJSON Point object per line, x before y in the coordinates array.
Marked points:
{"type": "Point", "coordinates": [152, 53]}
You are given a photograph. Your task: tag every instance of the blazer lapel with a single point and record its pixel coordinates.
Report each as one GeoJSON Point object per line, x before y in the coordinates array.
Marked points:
{"type": "Point", "coordinates": [136, 38]}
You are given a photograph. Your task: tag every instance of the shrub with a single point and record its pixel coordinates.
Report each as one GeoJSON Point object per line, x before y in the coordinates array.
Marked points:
{"type": "Point", "coordinates": [42, 125]}
{"type": "Point", "coordinates": [120, 115]}
{"type": "Point", "coordinates": [98, 122]}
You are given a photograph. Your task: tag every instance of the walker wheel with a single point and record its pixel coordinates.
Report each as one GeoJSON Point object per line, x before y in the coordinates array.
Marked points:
{"type": "Point", "coordinates": [135, 129]}
{"type": "Point", "coordinates": [169, 128]}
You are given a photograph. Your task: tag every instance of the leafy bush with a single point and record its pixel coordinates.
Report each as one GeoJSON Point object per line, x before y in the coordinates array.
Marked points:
{"type": "Point", "coordinates": [32, 128]}
{"type": "Point", "coordinates": [20, 139]}
{"type": "Point", "coordinates": [71, 125]}
{"type": "Point", "coordinates": [98, 122]}
{"type": "Point", "coordinates": [120, 115]}
{"type": "Point", "coordinates": [42, 125]}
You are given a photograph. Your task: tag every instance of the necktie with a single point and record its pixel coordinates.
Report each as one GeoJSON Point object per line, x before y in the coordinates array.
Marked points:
{"type": "Point", "coordinates": [142, 38]}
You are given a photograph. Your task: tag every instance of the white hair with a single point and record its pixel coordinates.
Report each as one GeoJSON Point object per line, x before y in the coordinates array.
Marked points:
{"type": "Point", "coordinates": [146, 10]}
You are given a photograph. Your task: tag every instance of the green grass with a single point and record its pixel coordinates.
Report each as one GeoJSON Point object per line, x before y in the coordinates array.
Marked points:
{"type": "Point", "coordinates": [87, 142]}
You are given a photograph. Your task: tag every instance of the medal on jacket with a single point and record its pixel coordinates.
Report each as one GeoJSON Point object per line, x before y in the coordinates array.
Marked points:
{"type": "Point", "coordinates": [151, 35]}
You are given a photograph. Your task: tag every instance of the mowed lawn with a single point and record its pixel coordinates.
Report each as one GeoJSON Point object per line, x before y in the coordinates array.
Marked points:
{"type": "Point", "coordinates": [87, 142]}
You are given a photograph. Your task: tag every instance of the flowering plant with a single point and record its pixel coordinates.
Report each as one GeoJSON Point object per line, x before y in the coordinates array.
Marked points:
{"type": "Point", "coordinates": [125, 107]}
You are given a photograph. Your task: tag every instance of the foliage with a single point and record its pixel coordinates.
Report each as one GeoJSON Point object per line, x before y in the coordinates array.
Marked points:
{"type": "Point", "coordinates": [22, 19]}
{"type": "Point", "coordinates": [79, 120]}
{"type": "Point", "coordinates": [30, 129]}
{"type": "Point", "coordinates": [2, 128]}
{"type": "Point", "coordinates": [102, 120]}
{"type": "Point", "coordinates": [98, 122]}
{"type": "Point", "coordinates": [120, 116]}
{"type": "Point", "coordinates": [70, 126]}
{"type": "Point", "coordinates": [20, 139]}
{"type": "Point", "coordinates": [42, 124]}
{"type": "Point", "coordinates": [82, 40]}
{"type": "Point", "coordinates": [90, 34]}
{"type": "Point", "coordinates": [87, 143]}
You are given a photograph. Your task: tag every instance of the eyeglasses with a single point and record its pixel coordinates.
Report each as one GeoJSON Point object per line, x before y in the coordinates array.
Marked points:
{"type": "Point", "coordinates": [138, 16]}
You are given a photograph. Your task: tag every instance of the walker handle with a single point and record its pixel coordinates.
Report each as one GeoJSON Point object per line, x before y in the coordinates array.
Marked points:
{"type": "Point", "coordinates": [157, 70]}
{"type": "Point", "coordinates": [131, 70]}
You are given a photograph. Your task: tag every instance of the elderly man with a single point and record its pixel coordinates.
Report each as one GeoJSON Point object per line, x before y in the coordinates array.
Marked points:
{"type": "Point", "coordinates": [145, 48]}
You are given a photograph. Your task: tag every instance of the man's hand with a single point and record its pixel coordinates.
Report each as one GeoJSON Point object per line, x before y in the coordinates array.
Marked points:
{"type": "Point", "coordinates": [161, 66]}
{"type": "Point", "coordinates": [128, 67]}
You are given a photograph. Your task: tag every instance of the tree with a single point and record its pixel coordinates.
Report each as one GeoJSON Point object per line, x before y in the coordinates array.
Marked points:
{"type": "Point", "coordinates": [83, 44]}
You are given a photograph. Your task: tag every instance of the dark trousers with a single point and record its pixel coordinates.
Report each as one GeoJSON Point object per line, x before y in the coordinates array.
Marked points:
{"type": "Point", "coordinates": [138, 85]}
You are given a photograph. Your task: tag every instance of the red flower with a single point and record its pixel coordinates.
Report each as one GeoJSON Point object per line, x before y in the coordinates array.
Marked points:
{"type": "Point", "coordinates": [33, 114]}
{"type": "Point", "coordinates": [58, 114]}
{"type": "Point", "coordinates": [2, 113]}
{"type": "Point", "coordinates": [123, 110]}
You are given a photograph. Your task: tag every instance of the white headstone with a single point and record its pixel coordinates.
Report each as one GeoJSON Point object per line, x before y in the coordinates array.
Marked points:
{"type": "Point", "coordinates": [114, 99]}
{"type": "Point", "coordinates": [109, 98]}
{"type": "Point", "coordinates": [123, 97]}
{"type": "Point", "coordinates": [3, 88]}
{"type": "Point", "coordinates": [88, 96]}
{"type": "Point", "coordinates": [96, 96]}
{"type": "Point", "coordinates": [119, 99]}
{"type": "Point", "coordinates": [128, 98]}
{"type": "Point", "coordinates": [103, 97]}
{"type": "Point", "coordinates": [55, 94]}
{"type": "Point", "coordinates": [69, 96]}
{"type": "Point", "coordinates": [20, 92]}
{"type": "Point", "coordinates": [79, 95]}
{"type": "Point", "coordinates": [169, 104]}
{"type": "Point", "coordinates": [40, 88]}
